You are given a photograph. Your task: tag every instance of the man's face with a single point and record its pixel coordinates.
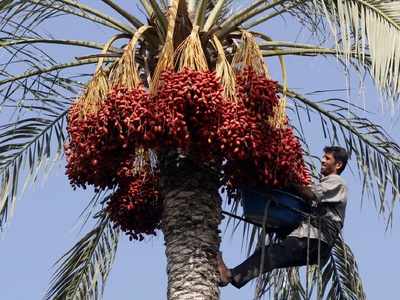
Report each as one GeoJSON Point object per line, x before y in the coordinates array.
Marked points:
{"type": "Point", "coordinates": [329, 165]}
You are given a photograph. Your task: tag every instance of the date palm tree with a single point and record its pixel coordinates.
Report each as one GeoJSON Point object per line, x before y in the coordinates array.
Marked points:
{"type": "Point", "coordinates": [37, 89]}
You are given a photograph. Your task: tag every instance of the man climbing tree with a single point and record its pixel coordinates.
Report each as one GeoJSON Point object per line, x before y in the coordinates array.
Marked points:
{"type": "Point", "coordinates": [312, 240]}
{"type": "Point", "coordinates": [190, 78]}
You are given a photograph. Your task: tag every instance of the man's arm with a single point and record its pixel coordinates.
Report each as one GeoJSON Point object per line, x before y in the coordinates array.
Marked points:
{"type": "Point", "coordinates": [304, 192]}
{"type": "Point", "coordinates": [331, 189]}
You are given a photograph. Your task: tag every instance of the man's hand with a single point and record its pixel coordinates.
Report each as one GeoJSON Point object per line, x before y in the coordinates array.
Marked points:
{"type": "Point", "coordinates": [302, 191]}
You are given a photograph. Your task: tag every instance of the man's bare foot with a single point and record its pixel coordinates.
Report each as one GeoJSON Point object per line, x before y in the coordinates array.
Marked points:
{"type": "Point", "coordinates": [225, 275]}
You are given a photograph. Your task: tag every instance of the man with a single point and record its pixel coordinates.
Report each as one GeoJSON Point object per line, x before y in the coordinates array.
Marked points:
{"type": "Point", "coordinates": [312, 241]}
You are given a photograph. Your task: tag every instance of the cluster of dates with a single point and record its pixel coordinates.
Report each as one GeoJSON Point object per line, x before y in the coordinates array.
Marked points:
{"type": "Point", "coordinates": [190, 103]}
{"type": "Point", "coordinates": [189, 113]}
{"type": "Point", "coordinates": [255, 151]}
{"type": "Point", "coordinates": [100, 152]}
{"type": "Point", "coordinates": [136, 206]}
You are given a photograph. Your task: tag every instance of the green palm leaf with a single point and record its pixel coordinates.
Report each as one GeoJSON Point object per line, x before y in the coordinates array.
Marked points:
{"type": "Point", "coordinates": [32, 13]}
{"type": "Point", "coordinates": [281, 284]}
{"type": "Point", "coordinates": [7, 42]}
{"type": "Point", "coordinates": [204, 7]}
{"type": "Point", "coordinates": [27, 144]}
{"type": "Point", "coordinates": [83, 270]}
{"type": "Point", "coordinates": [132, 19]}
{"type": "Point", "coordinates": [359, 27]}
{"type": "Point", "coordinates": [363, 26]}
{"type": "Point", "coordinates": [342, 272]}
{"type": "Point", "coordinates": [56, 67]}
{"type": "Point", "coordinates": [37, 102]}
{"type": "Point", "coordinates": [235, 21]}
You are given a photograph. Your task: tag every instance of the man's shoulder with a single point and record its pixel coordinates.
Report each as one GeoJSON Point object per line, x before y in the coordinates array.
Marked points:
{"type": "Point", "coordinates": [335, 187]}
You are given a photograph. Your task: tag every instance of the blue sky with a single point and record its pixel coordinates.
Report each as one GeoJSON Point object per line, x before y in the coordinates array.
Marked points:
{"type": "Point", "coordinates": [46, 224]}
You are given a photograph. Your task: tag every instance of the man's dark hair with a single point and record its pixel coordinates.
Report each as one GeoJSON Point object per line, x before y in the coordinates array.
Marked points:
{"type": "Point", "coordinates": [340, 154]}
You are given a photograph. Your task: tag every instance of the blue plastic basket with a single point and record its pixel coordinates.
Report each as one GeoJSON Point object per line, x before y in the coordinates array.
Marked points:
{"type": "Point", "coordinates": [282, 209]}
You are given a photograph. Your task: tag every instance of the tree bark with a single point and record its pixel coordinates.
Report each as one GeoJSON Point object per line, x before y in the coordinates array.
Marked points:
{"type": "Point", "coordinates": [192, 213]}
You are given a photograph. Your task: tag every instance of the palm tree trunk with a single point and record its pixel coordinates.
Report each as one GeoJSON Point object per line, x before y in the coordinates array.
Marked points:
{"type": "Point", "coordinates": [192, 213]}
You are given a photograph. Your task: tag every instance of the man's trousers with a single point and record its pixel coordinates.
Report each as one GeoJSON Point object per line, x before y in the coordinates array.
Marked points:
{"type": "Point", "coordinates": [291, 252]}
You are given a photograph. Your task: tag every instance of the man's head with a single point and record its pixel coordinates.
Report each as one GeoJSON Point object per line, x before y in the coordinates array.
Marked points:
{"type": "Point", "coordinates": [334, 160]}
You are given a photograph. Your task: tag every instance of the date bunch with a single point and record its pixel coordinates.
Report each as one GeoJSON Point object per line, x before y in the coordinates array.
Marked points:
{"type": "Point", "coordinates": [101, 152]}
{"type": "Point", "coordinates": [136, 206]}
{"type": "Point", "coordinates": [255, 152]}
{"type": "Point", "coordinates": [189, 113]}
{"type": "Point", "coordinates": [190, 105]}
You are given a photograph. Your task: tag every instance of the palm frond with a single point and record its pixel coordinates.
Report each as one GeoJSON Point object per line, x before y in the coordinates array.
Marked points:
{"type": "Point", "coordinates": [281, 284]}
{"type": "Point", "coordinates": [342, 274]}
{"type": "Point", "coordinates": [36, 103]}
{"type": "Point", "coordinates": [56, 67]}
{"type": "Point", "coordinates": [376, 153]}
{"type": "Point", "coordinates": [285, 7]}
{"type": "Point", "coordinates": [216, 11]}
{"type": "Point", "coordinates": [363, 26]}
{"type": "Point", "coordinates": [42, 80]}
{"type": "Point", "coordinates": [38, 68]}
{"type": "Point", "coordinates": [362, 64]}
{"type": "Point", "coordinates": [157, 14]}
{"type": "Point", "coordinates": [238, 19]}
{"type": "Point", "coordinates": [16, 40]}
{"type": "Point", "coordinates": [82, 272]}
{"type": "Point", "coordinates": [131, 18]}
{"type": "Point", "coordinates": [21, 54]}
{"type": "Point", "coordinates": [32, 13]}
{"type": "Point", "coordinates": [27, 144]}
{"type": "Point", "coordinates": [214, 14]}
{"type": "Point", "coordinates": [359, 27]}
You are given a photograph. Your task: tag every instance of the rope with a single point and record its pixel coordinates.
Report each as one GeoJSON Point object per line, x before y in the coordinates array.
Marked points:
{"type": "Point", "coordinates": [308, 258]}
{"type": "Point", "coordinates": [263, 233]}
{"type": "Point", "coordinates": [319, 263]}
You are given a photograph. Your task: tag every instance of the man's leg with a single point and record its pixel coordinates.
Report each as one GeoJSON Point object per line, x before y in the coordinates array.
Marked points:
{"type": "Point", "coordinates": [290, 252]}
